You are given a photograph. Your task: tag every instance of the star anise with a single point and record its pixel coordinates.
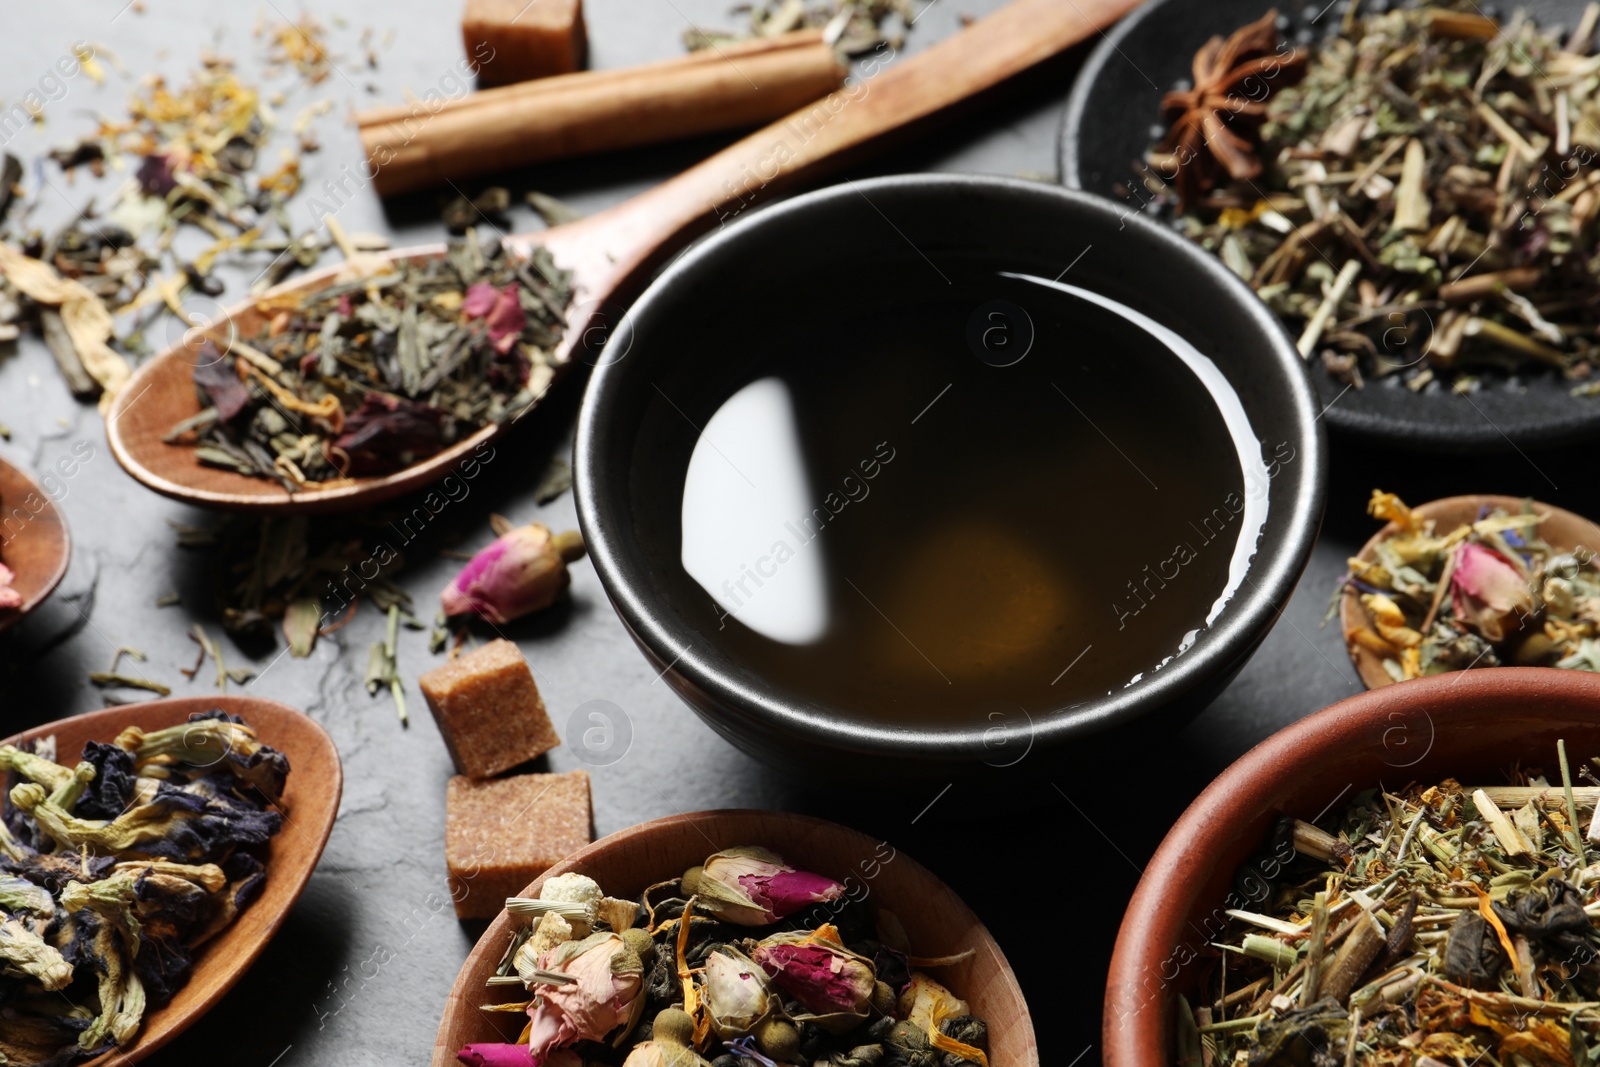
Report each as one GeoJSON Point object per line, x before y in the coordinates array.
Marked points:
{"type": "Point", "coordinates": [1216, 126]}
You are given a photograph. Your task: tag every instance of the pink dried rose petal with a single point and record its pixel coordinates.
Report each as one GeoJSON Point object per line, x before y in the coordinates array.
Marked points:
{"type": "Point", "coordinates": [787, 891]}
{"type": "Point", "coordinates": [826, 981]}
{"type": "Point", "coordinates": [1487, 591]}
{"type": "Point", "coordinates": [506, 320]}
{"type": "Point", "coordinates": [589, 1008]}
{"type": "Point", "coordinates": [754, 887]}
{"type": "Point", "coordinates": [480, 298]}
{"type": "Point", "coordinates": [9, 597]}
{"type": "Point", "coordinates": [1483, 573]}
{"type": "Point", "coordinates": [495, 1054]}
{"type": "Point", "coordinates": [500, 311]}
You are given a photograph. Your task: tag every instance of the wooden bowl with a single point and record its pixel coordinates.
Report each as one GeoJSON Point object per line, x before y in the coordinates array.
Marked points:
{"type": "Point", "coordinates": [33, 541]}
{"type": "Point", "coordinates": [1472, 725]}
{"type": "Point", "coordinates": [309, 804]}
{"type": "Point", "coordinates": [935, 919]}
{"type": "Point", "coordinates": [1562, 530]}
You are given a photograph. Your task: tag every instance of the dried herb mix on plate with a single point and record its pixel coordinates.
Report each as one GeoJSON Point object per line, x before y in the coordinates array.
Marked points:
{"type": "Point", "coordinates": [743, 959]}
{"type": "Point", "coordinates": [1485, 594]}
{"type": "Point", "coordinates": [1414, 196]}
{"type": "Point", "coordinates": [115, 872]}
{"type": "Point", "coordinates": [1447, 924]}
{"type": "Point", "coordinates": [392, 363]}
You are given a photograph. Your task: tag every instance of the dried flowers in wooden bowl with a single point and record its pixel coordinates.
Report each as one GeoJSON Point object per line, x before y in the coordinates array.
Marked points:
{"type": "Point", "coordinates": [140, 883]}
{"type": "Point", "coordinates": [1469, 582]}
{"type": "Point", "coordinates": [750, 949]}
{"type": "Point", "coordinates": [34, 545]}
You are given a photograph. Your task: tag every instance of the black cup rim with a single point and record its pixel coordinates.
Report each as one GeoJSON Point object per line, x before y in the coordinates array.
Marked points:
{"type": "Point", "coordinates": [763, 713]}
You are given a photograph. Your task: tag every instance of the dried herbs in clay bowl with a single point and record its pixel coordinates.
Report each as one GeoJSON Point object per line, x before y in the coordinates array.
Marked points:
{"type": "Point", "coordinates": [1410, 188]}
{"type": "Point", "coordinates": [1404, 878]}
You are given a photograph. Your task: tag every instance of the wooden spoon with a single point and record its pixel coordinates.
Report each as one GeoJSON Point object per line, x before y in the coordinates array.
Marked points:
{"type": "Point", "coordinates": [309, 804]}
{"type": "Point", "coordinates": [936, 921]}
{"type": "Point", "coordinates": [1562, 531]}
{"type": "Point", "coordinates": [34, 541]}
{"type": "Point", "coordinates": [612, 253]}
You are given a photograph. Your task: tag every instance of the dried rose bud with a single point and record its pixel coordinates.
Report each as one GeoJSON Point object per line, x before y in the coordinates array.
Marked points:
{"type": "Point", "coordinates": [819, 972]}
{"type": "Point", "coordinates": [495, 1054]}
{"type": "Point", "coordinates": [736, 994]}
{"type": "Point", "coordinates": [1489, 594]}
{"type": "Point", "coordinates": [608, 977]}
{"type": "Point", "coordinates": [523, 571]}
{"type": "Point", "coordinates": [753, 887]}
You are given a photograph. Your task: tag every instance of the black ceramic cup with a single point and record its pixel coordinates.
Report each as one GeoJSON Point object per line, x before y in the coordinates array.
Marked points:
{"type": "Point", "coordinates": [758, 275]}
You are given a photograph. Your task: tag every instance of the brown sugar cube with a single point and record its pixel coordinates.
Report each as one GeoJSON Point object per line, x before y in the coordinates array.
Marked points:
{"type": "Point", "coordinates": [501, 834]}
{"type": "Point", "coordinates": [518, 40]}
{"type": "Point", "coordinates": [489, 710]}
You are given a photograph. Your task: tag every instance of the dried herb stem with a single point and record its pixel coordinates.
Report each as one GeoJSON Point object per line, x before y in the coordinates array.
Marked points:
{"type": "Point", "coordinates": [1310, 987]}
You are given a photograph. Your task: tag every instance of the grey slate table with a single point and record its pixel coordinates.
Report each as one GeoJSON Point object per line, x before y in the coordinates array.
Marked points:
{"type": "Point", "coordinates": [362, 965]}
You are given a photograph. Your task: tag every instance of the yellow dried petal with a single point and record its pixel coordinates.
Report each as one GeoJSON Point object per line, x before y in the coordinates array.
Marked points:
{"type": "Point", "coordinates": [1390, 508]}
{"type": "Point", "coordinates": [1370, 571]}
{"type": "Point", "coordinates": [1390, 621]}
{"type": "Point", "coordinates": [1237, 218]}
{"type": "Point", "coordinates": [1411, 662]}
{"type": "Point", "coordinates": [1370, 641]}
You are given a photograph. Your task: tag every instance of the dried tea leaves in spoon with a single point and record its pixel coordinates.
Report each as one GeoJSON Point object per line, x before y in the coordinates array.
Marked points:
{"type": "Point", "coordinates": [393, 362]}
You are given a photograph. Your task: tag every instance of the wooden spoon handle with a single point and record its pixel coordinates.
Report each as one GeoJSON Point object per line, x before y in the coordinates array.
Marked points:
{"type": "Point", "coordinates": [794, 149]}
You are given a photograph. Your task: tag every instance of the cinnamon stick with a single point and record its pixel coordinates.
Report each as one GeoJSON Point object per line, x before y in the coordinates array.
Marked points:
{"type": "Point", "coordinates": [429, 143]}
{"type": "Point", "coordinates": [419, 110]}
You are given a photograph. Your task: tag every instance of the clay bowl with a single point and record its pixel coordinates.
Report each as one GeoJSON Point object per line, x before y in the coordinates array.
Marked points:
{"type": "Point", "coordinates": [310, 802]}
{"type": "Point", "coordinates": [1562, 530]}
{"type": "Point", "coordinates": [1472, 725]}
{"type": "Point", "coordinates": [33, 541]}
{"type": "Point", "coordinates": [624, 863]}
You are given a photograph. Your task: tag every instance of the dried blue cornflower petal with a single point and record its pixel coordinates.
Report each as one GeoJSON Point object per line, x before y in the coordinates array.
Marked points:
{"type": "Point", "coordinates": [112, 790]}
{"type": "Point", "coordinates": [213, 741]}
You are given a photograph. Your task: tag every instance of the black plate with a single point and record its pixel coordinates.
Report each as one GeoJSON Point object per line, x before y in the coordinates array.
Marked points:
{"type": "Point", "coordinates": [1111, 120]}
